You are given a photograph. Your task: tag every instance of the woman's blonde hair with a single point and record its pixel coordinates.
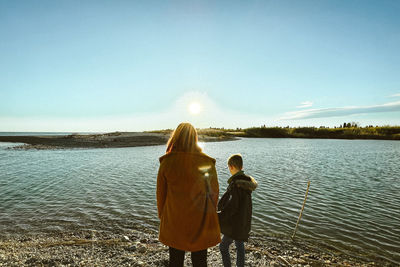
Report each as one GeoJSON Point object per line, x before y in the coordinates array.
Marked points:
{"type": "Point", "coordinates": [183, 139]}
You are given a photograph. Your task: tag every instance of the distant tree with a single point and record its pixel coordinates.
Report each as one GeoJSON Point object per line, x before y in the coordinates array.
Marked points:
{"type": "Point", "coordinates": [354, 124]}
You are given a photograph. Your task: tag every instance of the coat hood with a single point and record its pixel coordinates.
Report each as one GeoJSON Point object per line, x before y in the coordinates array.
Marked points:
{"type": "Point", "coordinates": [243, 181]}
{"type": "Point", "coordinates": [247, 185]}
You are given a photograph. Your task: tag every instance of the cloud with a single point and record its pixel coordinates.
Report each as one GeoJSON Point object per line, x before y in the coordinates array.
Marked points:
{"type": "Point", "coordinates": [396, 95]}
{"type": "Point", "coordinates": [305, 104]}
{"type": "Point", "coordinates": [342, 111]}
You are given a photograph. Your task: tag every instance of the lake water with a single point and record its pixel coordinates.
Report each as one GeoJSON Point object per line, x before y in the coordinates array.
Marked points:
{"type": "Point", "coordinates": [353, 202]}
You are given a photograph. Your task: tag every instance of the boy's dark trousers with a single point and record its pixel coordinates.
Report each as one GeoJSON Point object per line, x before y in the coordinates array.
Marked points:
{"type": "Point", "coordinates": [226, 257]}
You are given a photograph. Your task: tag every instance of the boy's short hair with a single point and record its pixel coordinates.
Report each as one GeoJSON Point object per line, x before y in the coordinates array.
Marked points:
{"type": "Point", "coordinates": [236, 161]}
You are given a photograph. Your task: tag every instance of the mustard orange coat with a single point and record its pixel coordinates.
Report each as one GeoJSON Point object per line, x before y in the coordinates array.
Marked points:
{"type": "Point", "coordinates": [187, 195]}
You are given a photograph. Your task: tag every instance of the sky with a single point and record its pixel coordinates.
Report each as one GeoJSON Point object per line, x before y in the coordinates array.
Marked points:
{"type": "Point", "coordinates": [140, 65]}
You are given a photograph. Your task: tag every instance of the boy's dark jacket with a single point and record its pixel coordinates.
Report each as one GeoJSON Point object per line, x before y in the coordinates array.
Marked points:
{"type": "Point", "coordinates": [235, 207]}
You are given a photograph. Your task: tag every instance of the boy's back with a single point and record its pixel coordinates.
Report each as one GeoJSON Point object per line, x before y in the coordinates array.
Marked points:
{"type": "Point", "coordinates": [235, 207]}
{"type": "Point", "coordinates": [234, 211]}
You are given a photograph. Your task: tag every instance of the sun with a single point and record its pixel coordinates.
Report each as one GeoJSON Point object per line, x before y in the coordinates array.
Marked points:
{"type": "Point", "coordinates": [194, 108]}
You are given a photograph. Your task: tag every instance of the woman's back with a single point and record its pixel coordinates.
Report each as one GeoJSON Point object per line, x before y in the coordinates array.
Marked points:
{"type": "Point", "coordinates": [187, 193]}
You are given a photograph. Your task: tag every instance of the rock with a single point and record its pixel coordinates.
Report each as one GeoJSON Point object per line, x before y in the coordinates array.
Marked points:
{"type": "Point", "coordinates": [25, 239]}
{"type": "Point", "coordinates": [90, 235]}
{"type": "Point", "coordinates": [67, 261]}
{"type": "Point", "coordinates": [257, 255]}
{"type": "Point", "coordinates": [301, 261]}
{"type": "Point", "coordinates": [125, 238]}
{"type": "Point", "coordinates": [142, 249]}
{"type": "Point", "coordinates": [132, 248]}
{"type": "Point", "coordinates": [273, 264]}
{"type": "Point", "coordinates": [313, 256]}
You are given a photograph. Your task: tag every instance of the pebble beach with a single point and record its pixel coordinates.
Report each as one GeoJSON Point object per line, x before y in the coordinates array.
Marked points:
{"type": "Point", "coordinates": [140, 247]}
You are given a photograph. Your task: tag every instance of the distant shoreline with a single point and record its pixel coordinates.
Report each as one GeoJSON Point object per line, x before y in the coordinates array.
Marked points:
{"type": "Point", "coordinates": [106, 140]}
{"type": "Point", "coordinates": [134, 139]}
{"type": "Point", "coordinates": [349, 132]}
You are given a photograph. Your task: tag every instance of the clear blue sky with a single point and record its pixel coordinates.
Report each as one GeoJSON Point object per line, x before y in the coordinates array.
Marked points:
{"type": "Point", "coordinates": [136, 65]}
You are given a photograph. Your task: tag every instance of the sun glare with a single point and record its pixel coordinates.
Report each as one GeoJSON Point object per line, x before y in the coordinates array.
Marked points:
{"type": "Point", "coordinates": [194, 108]}
{"type": "Point", "coordinates": [201, 144]}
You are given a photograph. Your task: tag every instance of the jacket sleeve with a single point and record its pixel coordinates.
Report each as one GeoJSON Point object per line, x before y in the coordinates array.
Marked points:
{"type": "Point", "coordinates": [234, 203]}
{"type": "Point", "coordinates": [214, 186]}
{"type": "Point", "coordinates": [161, 191]}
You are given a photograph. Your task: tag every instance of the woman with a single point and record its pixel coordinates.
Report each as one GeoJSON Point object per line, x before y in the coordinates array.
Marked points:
{"type": "Point", "coordinates": [187, 195]}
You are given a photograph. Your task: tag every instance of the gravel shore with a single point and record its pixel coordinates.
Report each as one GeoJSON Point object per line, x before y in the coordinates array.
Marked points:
{"type": "Point", "coordinates": [140, 247]}
{"type": "Point", "coordinates": [107, 140]}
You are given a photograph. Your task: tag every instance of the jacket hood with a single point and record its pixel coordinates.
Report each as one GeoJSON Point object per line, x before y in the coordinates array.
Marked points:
{"type": "Point", "coordinates": [247, 185]}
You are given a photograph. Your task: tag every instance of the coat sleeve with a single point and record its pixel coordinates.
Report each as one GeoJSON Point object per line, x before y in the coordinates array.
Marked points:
{"type": "Point", "coordinates": [161, 191]}
{"type": "Point", "coordinates": [214, 186]}
{"type": "Point", "coordinates": [234, 203]}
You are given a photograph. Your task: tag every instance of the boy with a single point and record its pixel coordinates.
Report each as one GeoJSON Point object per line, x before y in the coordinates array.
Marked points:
{"type": "Point", "coordinates": [234, 211]}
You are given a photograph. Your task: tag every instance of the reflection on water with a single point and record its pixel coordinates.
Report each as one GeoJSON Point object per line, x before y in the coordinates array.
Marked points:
{"type": "Point", "coordinates": [353, 201]}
